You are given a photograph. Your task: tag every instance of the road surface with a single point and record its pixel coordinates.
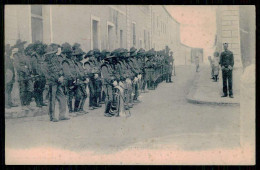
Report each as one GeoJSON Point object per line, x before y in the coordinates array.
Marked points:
{"type": "Point", "coordinates": [163, 119]}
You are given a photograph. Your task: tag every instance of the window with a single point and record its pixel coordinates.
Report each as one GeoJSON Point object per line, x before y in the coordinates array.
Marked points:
{"type": "Point", "coordinates": [134, 35]}
{"type": "Point", "coordinates": [144, 39]}
{"type": "Point", "coordinates": [36, 23]}
{"type": "Point", "coordinates": [95, 34]}
{"type": "Point", "coordinates": [121, 38]}
{"type": "Point", "coordinates": [110, 37]}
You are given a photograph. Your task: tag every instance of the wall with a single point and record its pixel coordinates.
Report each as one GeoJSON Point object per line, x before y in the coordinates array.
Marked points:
{"type": "Point", "coordinates": [228, 31]}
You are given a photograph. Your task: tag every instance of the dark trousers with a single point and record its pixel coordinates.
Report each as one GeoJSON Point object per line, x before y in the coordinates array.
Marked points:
{"type": "Point", "coordinates": [227, 81]}
{"type": "Point", "coordinates": [25, 92]}
{"type": "Point", "coordinates": [80, 97]}
{"type": "Point", "coordinates": [8, 91]}
{"type": "Point", "coordinates": [92, 93]}
{"type": "Point", "coordinates": [39, 87]}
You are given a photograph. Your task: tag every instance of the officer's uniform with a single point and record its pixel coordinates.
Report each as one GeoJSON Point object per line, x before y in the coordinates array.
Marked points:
{"type": "Point", "coordinates": [53, 74]}
{"type": "Point", "coordinates": [227, 59]}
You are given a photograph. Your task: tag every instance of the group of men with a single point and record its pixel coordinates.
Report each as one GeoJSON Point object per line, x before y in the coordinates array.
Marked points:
{"type": "Point", "coordinates": [114, 78]}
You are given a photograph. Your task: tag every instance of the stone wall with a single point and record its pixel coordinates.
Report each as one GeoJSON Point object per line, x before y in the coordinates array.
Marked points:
{"type": "Point", "coordinates": [228, 31]}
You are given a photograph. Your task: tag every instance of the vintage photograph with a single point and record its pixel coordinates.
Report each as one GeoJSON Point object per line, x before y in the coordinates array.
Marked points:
{"type": "Point", "coordinates": [129, 85]}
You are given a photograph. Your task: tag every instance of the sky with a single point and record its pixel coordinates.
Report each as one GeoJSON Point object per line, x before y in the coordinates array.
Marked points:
{"type": "Point", "coordinates": [197, 25]}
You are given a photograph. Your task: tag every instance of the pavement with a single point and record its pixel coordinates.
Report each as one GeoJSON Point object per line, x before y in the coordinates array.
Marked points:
{"type": "Point", "coordinates": [205, 91]}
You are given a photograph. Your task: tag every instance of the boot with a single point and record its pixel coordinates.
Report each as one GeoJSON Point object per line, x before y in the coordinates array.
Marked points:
{"type": "Point", "coordinates": [76, 105]}
{"type": "Point", "coordinates": [70, 106]}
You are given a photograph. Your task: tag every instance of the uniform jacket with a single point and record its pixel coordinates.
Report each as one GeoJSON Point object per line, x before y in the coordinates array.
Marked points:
{"type": "Point", "coordinates": [54, 68]}
{"type": "Point", "coordinates": [226, 59]}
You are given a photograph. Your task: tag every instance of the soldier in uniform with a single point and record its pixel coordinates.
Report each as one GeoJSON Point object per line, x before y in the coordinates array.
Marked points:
{"type": "Point", "coordinates": [227, 62]}
{"type": "Point", "coordinates": [92, 70]}
{"type": "Point", "coordinates": [24, 75]}
{"type": "Point", "coordinates": [38, 68]}
{"type": "Point", "coordinates": [104, 63]}
{"type": "Point", "coordinates": [169, 65]}
{"type": "Point", "coordinates": [142, 60]}
{"type": "Point", "coordinates": [81, 81]}
{"type": "Point", "coordinates": [9, 76]}
{"type": "Point", "coordinates": [98, 82]}
{"type": "Point", "coordinates": [108, 76]}
{"type": "Point", "coordinates": [55, 78]}
{"type": "Point", "coordinates": [70, 74]}
{"type": "Point", "coordinates": [150, 66]}
{"type": "Point", "coordinates": [137, 71]}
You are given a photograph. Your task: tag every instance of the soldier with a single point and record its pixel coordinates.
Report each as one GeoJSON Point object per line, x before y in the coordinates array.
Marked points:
{"type": "Point", "coordinates": [227, 62]}
{"type": "Point", "coordinates": [169, 65]}
{"type": "Point", "coordinates": [24, 75]}
{"type": "Point", "coordinates": [55, 78]}
{"type": "Point", "coordinates": [142, 60]}
{"type": "Point", "coordinates": [137, 71]}
{"type": "Point", "coordinates": [70, 74]}
{"type": "Point", "coordinates": [173, 63]}
{"type": "Point", "coordinates": [104, 63]}
{"type": "Point", "coordinates": [38, 68]}
{"type": "Point", "coordinates": [108, 76]}
{"type": "Point", "coordinates": [150, 66]}
{"type": "Point", "coordinates": [9, 76]}
{"type": "Point", "coordinates": [92, 70]}
{"type": "Point", "coordinates": [81, 81]}
{"type": "Point", "coordinates": [98, 82]}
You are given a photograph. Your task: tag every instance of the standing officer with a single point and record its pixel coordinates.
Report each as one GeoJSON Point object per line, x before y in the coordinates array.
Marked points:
{"type": "Point", "coordinates": [55, 78]}
{"type": "Point", "coordinates": [227, 63]}
{"type": "Point", "coordinates": [9, 76]}
{"type": "Point", "coordinates": [81, 81]}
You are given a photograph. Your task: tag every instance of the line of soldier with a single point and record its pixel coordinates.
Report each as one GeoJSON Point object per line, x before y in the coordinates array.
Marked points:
{"type": "Point", "coordinates": [114, 78]}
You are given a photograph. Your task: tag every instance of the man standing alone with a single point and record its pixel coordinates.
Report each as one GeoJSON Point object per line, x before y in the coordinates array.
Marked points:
{"type": "Point", "coordinates": [227, 62]}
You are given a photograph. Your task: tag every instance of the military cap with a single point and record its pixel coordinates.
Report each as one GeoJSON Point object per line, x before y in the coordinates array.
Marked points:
{"type": "Point", "coordinates": [75, 46]}
{"type": "Point", "coordinates": [39, 47]}
{"type": "Point", "coordinates": [150, 53]}
{"type": "Point", "coordinates": [96, 52]}
{"type": "Point", "coordinates": [105, 52]}
{"type": "Point", "coordinates": [90, 53]}
{"type": "Point", "coordinates": [54, 46]}
{"type": "Point", "coordinates": [29, 49]}
{"type": "Point", "coordinates": [141, 51]}
{"type": "Point", "coordinates": [77, 52]}
{"type": "Point", "coordinates": [132, 50]}
{"type": "Point", "coordinates": [19, 44]}
{"type": "Point", "coordinates": [115, 52]}
{"type": "Point", "coordinates": [66, 48]}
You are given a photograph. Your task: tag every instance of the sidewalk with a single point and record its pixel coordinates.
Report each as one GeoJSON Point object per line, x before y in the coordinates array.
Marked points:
{"type": "Point", "coordinates": [205, 91]}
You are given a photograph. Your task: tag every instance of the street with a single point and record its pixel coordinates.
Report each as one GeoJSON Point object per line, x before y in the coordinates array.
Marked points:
{"type": "Point", "coordinates": [164, 119]}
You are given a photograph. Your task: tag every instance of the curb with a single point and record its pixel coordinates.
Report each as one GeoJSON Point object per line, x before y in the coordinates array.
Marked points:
{"type": "Point", "coordinates": [193, 100]}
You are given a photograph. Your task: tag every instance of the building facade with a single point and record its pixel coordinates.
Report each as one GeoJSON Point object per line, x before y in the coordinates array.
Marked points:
{"type": "Point", "coordinates": [93, 26]}
{"type": "Point", "coordinates": [227, 18]}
